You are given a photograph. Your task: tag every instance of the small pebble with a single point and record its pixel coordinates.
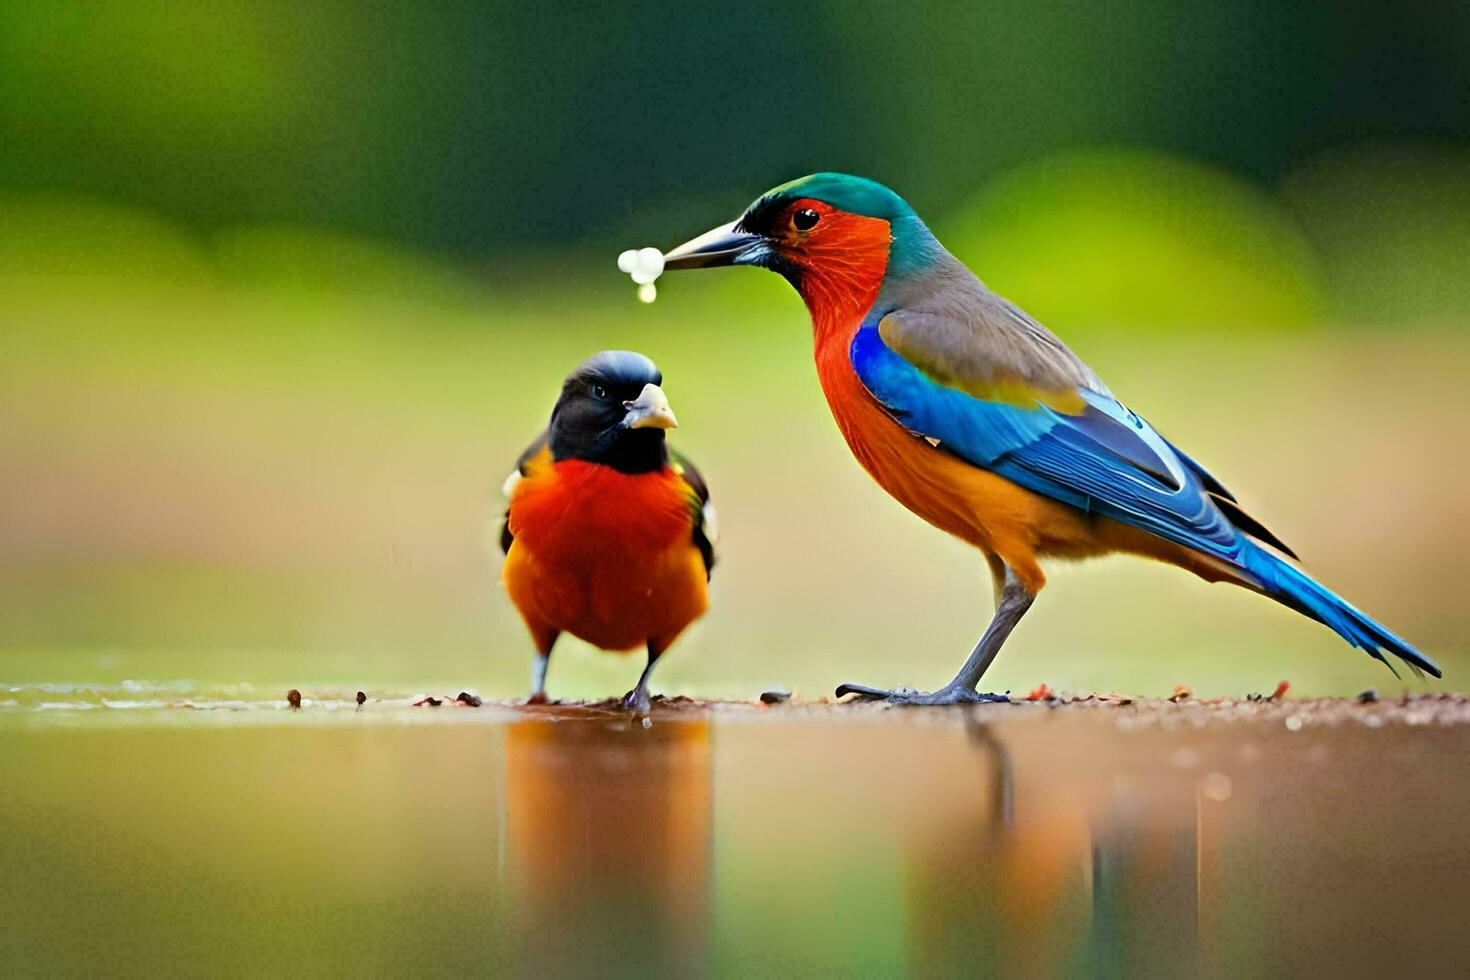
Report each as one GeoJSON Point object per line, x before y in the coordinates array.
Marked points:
{"type": "Point", "coordinates": [775, 695]}
{"type": "Point", "coordinates": [468, 700]}
{"type": "Point", "coordinates": [1369, 696]}
{"type": "Point", "coordinates": [293, 698]}
{"type": "Point", "coordinates": [361, 698]}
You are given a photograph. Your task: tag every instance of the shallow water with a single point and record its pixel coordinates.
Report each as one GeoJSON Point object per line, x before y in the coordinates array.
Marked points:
{"type": "Point", "coordinates": [217, 832]}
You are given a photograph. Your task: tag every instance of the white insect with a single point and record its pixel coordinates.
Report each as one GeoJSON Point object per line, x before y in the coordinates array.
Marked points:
{"type": "Point", "coordinates": [645, 265]}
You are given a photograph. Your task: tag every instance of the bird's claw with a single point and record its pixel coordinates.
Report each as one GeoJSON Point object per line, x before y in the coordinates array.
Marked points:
{"type": "Point", "coordinates": [866, 693]}
{"type": "Point", "coordinates": [953, 694]}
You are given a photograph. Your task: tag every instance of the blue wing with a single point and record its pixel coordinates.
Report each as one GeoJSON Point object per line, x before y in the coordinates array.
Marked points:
{"type": "Point", "coordinates": [1105, 460]}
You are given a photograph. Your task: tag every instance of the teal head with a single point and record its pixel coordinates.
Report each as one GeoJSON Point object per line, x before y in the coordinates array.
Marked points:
{"type": "Point", "coordinates": [835, 237]}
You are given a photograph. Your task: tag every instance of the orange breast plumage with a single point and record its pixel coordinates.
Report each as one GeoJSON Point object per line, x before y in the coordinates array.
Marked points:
{"type": "Point", "coordinates": [606, 556]}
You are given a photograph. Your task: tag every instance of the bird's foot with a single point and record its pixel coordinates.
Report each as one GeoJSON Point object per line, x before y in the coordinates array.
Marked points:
{"type": "Point", "coordinates": [949, 694]}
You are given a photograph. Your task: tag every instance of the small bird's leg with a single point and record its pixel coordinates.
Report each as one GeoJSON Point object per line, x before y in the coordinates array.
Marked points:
{"type": "Point", "coordinates": [545, 640]}
{"type": "Point", "coordinates": [1015, 599]}
{"type": "Point", "coordinates": [637, 700]}
{"type": "Point", "coordinates": [538, 679]}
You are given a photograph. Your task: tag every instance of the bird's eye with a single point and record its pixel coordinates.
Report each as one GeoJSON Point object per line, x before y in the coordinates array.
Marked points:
{"type": "Point", "coordinates": [805, 219]}
{"type": "Point", "coordinates": [598, 391]}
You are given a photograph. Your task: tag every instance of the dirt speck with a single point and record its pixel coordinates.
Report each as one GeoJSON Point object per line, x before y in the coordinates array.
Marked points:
{"type": "Point", "coordinates": [427, 699]}
{"type": "Point", "coordinates": [468, 700]}
{"type": "Point", "coordinates": [293, 698]}
{"type": "Point", "coordinates": [361, 697]}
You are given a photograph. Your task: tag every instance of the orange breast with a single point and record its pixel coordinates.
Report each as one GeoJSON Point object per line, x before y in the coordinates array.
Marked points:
{"type": "Point", "coordinates": [605, 556]}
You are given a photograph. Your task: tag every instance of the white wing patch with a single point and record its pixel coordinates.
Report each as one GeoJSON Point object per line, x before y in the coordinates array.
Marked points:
{"type": "Point", "coordinates": [711, 523]}
{"type": "Point", "coordinates": [508, 488]}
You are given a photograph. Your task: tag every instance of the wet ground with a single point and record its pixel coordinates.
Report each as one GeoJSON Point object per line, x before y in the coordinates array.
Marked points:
{"type": "Point", "coordinates": [221, 832]}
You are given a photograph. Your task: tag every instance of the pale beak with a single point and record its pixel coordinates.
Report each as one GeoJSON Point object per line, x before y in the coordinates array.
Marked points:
{"type": "Point", "coordinates": [650, 410]}
{"type": "Point", "coordinates": [718, 246]}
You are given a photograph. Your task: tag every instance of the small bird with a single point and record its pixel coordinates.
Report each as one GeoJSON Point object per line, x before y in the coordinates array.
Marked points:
{"type": "Point", "coordinates": [609, 534]}
{"type": "Point", "coordinates": [981, 421]}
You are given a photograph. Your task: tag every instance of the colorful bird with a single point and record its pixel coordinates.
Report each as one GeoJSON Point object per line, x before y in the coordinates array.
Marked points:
{"type": "Point", "coordinates": [609, 534]}
{"type": "Point", "coordinates": [979, 420]}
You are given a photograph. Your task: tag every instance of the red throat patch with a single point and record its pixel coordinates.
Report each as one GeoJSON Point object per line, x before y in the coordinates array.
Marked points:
{"type": "Point", "coordinates": [842, 265]}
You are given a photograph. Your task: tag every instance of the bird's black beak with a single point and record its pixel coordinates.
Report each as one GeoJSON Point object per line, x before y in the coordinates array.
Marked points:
{"type": "Point", "coordinates": [718, 246]}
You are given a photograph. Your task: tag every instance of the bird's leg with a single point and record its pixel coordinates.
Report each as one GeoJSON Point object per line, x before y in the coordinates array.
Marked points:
{"type": "Point", "coordinates": [546, 639]}
{"type": "Point", "coordinates": [637, 700]}
{"type": "Point", "coordinates": [538, 679]}
{"type": "Point", "coordinates": [1015, 599]}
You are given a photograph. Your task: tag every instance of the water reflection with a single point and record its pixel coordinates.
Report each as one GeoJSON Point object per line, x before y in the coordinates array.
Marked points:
{"type": "Point", "coordinates": [988, 890]}
{"type": "Point", "coordinates": [1051, 870]}
{"type": "Point", "coordinates": [1168, 854]}
{"type": "Point", "coordinates": [1015, 843]}
{"type": "Point", "coordinates": [608, 840]}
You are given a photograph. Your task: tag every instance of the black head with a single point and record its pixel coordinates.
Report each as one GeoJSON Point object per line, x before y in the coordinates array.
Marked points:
{"type": "Point", "coordinates": [612, 411]}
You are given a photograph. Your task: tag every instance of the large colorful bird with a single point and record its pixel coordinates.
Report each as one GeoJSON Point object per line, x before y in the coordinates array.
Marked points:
{"type": "Point", "coordinates": [608, 535]}
{"type": "Point", "coordinates": [979, 420]}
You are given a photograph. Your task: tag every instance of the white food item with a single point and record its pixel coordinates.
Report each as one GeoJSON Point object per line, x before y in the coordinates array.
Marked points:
{"type": "Point", "coordinates": [644, 265]}
{"type": "Point", "coordinates": [652, 260]}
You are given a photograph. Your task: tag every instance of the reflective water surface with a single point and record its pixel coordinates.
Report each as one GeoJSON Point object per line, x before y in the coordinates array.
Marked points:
{"type": "Point", "coordinates": [1013, 841]}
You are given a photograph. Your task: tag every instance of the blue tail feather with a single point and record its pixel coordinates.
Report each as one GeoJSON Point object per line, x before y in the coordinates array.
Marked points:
{"type": "Point", "coordinates": [1294, 588]}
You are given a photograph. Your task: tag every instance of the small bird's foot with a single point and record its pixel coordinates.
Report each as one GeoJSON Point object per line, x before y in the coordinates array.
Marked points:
{"type": "Point", "coordinates": [637, 701]}
{"type": "Point", "coordinates": [950, 694]}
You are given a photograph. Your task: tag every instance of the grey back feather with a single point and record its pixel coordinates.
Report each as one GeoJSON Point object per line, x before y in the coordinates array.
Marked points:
{"type": "Point", "coordinates": [949, 323]}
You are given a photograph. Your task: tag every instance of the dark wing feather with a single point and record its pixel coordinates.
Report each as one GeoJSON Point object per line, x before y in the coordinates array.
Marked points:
{"type": "Point", "coordinates": [537, 454]}
{"type": "Point", "coordinates": [1250, 525]}
{"type": "Point", "coordinates": [1230, 507]}
{"type": "Point", "coordinates": [704, 529]}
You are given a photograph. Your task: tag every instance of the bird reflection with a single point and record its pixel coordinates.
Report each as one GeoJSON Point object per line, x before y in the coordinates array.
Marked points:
{"type": "Point", "coordinates": [608, 838]}
{"type": "Point", "coordinates": [1046, 866]}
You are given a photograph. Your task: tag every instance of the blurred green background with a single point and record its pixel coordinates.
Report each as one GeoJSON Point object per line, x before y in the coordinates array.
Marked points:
{"type": "Point", "coordinates": [285, 288]}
